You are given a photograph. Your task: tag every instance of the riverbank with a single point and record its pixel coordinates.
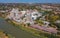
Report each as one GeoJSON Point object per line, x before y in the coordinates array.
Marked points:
{"type": "Point", "coordinates": [5, 35]}
{"type": "Point", "coordinates": [35, 32]}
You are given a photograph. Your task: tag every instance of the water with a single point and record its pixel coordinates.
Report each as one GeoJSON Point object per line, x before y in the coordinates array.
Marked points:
{"type": "Point", "coordinates": [10, 29]}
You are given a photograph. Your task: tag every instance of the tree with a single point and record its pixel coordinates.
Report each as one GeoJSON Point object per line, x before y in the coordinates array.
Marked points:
{"type": "Point", "coordinates": [28, 24]}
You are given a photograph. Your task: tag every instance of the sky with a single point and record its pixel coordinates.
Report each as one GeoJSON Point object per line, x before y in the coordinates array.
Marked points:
{"type": "Point", "coordinates": [29, 1]}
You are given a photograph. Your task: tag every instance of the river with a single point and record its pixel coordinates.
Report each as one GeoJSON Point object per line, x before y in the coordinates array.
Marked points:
{"type": "Point", "coordinates": [10, 29]}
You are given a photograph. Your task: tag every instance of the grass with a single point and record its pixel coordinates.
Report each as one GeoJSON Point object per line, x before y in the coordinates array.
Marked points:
{"type": "Point", "coordinates": [35, 32]}
{"type": "Point", "coordinates": [10, 36]}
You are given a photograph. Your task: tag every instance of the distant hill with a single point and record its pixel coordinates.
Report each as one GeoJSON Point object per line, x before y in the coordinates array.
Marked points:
{"type": "Point", "coordinates": [28, 4]}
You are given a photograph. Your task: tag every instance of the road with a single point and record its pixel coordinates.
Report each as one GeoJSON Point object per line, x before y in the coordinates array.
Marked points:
{"type": "Point", "coordinates": [10, 29]}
